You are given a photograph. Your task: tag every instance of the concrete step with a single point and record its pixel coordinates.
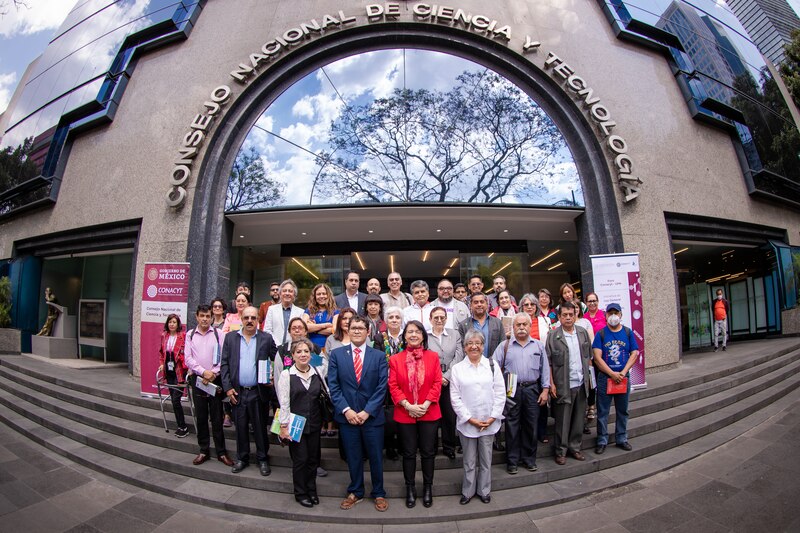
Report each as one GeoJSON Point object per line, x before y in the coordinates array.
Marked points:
{"type": "Point", "coordinates": [265, 503]}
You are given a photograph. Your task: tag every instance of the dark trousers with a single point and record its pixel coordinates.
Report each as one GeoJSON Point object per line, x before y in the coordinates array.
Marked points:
{"type": "Point", "coordinates": [541, 423]}
{"type": "Point", "coordinates": [448, 421]}
{"type": "Point", "coordinates": [209, 407]}
{"type": "Point", "coordinates": [356, 439]}
{"type": "Point", "coordinates": [422, 436]}
{"type": "Point", "coordinates": [175, 396]}
{"type": "Point", "coordinates": [305, 460]}
{"type": "Point", "coordinates": [521, 422]}
{"type": "Point", "coordinates": [390, 440]}
{"type": "Point", "coordinates": [250, 410]}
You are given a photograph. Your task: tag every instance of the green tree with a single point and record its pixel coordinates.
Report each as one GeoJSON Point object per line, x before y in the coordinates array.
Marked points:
{"type": "Point", "coordinates": [790, 68]}
{"type": "Point", "coordinates": [483, 140]}
{"type": "Point", "coordinates": [249, 187]}
{"type": "Point", "coordinates": [5, 302]}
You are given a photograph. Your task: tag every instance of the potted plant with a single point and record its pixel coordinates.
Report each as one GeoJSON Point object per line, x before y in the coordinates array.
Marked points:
{"type": "Point", "coordinates": [9, 338]}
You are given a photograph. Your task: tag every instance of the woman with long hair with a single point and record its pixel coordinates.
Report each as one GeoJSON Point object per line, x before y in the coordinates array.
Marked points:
{"type": "Point", "coordinates": [319, 314]}
{"type": "Point", "coordinates": [218, 308]}
{"type": "Point", "coordinates": [546, 306]}
{"type": "Point", "coordinates": [373, 305]}
{"type": "Point", "coordinates": [173, 367]}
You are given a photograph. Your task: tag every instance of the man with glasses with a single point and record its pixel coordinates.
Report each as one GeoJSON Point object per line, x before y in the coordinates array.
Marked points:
{"type": "Point", "coordinates": [395, 297]}
{"type": "Point", "coordinates": [274, 294]}
{"type": "Point", "coordinates": [456, 311]}
{"type": "Point", "coordinates": [357, 378]}
{"type": "Point", "coordinates": [247, 365]}
{"type": "Point", "coordinates": [460, 293]}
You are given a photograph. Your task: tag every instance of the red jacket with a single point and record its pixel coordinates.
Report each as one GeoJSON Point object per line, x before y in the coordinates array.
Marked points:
{"type": "Point", "coordinates": [180, 363]}
{"type": "Point", "coordinates": [430, 389]}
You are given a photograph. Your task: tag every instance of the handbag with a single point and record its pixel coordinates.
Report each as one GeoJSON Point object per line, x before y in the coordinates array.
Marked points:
{"type": "Point", "coordinates": [324, 399]}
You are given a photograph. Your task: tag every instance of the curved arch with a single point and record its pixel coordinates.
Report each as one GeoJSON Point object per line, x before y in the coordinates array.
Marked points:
{"type": "Point", "coordinates": [210, 234]}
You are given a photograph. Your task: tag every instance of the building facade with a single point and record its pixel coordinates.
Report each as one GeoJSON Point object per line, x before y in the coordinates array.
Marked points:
{"type": "Point", "coordinates": [263, 140]}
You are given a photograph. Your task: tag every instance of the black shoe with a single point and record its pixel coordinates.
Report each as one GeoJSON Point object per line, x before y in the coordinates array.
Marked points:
{"type": "Point", "coordinates": [459, 450]}
{"type": "Point", "coordinates": [182, 432]}
{"type": "Point", "coordinates": [716, 348]}
{"type": "Point", "coordinates": [305, 502]}
{"type": "Point", "coordinates": [486, 499]}
{"type": "Point", "coordinates": [498, 446]}
{"type": "Point", "coordinates": [586, 430]}
{"type": "Point", "coordinates": [600, 449]}
{"type": "Point", "coordinates": [392, 455]}
{"type": "Point", "coordinates": [427, 496]}
{"type": "Point", "coordinates": [512, 469]}
{"type": "Point", "coordinates": [263, 467]}
{"type": "Point", "coordinates": [450, 454]}
{"type": "Point", "coordinates": [238, 466]}
{"type": "Point", "coordinates": [411, 496]}
{"type": "Point", "coordinates": [625, 446]}
{"type": "Point", "coordinates": [464, 500]}
{"type": "Point", "coordinates": [314, 499]}
{"type": "Point", "coordinates": [531, 467]}
{"type": "Point", "coordinates": [724, 348]}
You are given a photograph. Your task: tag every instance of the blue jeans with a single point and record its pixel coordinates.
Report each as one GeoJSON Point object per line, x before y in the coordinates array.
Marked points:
{"type": "Point", "coordinates": [604, 408]}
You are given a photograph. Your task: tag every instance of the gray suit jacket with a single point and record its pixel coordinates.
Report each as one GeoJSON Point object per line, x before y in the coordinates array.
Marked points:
{"type": "Point", "coordinates": [497, 332]}
{"type": "Point", "coordinates": [450, 350]}
{"type": "Point", "coordinates": [558, 354]}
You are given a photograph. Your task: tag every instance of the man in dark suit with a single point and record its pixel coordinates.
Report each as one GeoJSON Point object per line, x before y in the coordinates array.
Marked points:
{"type": "Point", "coordinates": [244, 353]}
{"type": "Point", "coordinates": [351, 297]}
{"type": "Point", "coordinates": [491, 327]}
{"type": "Point", "coordinates": [357, 379]}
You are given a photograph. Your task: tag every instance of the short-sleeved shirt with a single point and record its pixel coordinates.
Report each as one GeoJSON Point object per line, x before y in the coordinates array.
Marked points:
{"type": "Point", "coordinates": [616, 346]}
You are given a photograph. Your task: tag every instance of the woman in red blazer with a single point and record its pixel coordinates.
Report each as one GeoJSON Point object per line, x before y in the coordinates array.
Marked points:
{"type": "Point", "coordinates": [173, 367]}
{"type": "Point", "coordinates": [415, 382]}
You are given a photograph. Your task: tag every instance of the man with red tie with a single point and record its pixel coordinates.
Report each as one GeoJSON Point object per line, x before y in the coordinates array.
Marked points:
{"type": "Point", "coordinates": [357, 379]}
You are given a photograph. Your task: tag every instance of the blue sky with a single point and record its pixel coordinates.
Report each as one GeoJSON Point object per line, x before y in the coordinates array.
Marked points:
{"type": "Point", "coordinates": [24, 34]}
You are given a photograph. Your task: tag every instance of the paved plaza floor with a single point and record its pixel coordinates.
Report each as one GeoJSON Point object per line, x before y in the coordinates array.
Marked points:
{"type": "Point", "coordinates": [752, 483]}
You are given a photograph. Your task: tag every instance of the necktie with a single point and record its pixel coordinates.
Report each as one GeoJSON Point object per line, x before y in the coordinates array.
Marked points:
{"type": "Point", "coordinates": [357, 363]}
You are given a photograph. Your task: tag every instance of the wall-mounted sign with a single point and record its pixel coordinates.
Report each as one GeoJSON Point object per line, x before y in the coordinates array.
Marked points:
{"type": "Point", "coordinates": [92, 324]}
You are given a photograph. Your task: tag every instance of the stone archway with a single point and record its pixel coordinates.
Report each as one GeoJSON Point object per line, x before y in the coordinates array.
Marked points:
{"type": "Point", "coordinates": [598, 228]}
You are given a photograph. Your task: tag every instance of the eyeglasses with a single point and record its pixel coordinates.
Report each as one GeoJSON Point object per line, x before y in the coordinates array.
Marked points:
{"type": "Point", "coordinates": [276, 289]}
{"type": "Point", "coordinates": [438, 318]}
{"type": "Point", "coordinates": [527, 304]}
{"type": "Point", "coordinates": [474, 343]}
{"type": "Point", "coordinates": [591, 301]}
{"type": "Point", "coordinates": [249, 318]}
{"type": "Point", "coordinates": [445, 288]}
{"type": "Point", "coordinates": [358, 328]}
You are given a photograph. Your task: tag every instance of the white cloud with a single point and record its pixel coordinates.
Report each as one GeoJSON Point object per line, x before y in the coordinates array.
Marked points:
{"type": "Point", "coordinates": [7, 84]}
{"type": "Point", "coordinates": [40, 15]}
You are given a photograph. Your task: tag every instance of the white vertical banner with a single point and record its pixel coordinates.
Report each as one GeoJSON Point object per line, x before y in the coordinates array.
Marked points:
{"type": "Point", "coordinates": [616, 280]}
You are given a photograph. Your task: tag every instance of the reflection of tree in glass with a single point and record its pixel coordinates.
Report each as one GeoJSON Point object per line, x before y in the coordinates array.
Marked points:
{"type": "Point", "coordinates": [16, 167]}
{"type": "Point", "coordinates": [773, 133]}
{"type": "Point", "coordinates": [484, 141]}
{"type": "Point", "coordinates": [248, 185]}
{"type": "Point", "coordinates": [790, 68]}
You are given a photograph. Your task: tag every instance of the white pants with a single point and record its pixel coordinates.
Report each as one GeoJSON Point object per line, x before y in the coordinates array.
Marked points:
{"type": "Point", "coordinates": [720, 327]}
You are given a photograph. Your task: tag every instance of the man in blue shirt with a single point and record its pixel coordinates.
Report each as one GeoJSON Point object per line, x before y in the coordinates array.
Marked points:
{"type": "Point", "coordinates": [615, 352]}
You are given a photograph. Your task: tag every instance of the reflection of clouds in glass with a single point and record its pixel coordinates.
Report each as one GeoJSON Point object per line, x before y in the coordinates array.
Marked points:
{"type": "Point", "coordinates": [302, 117]}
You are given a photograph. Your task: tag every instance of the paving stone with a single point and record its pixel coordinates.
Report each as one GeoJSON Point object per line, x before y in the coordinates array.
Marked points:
{"type": "Point", "coordinates": [90, 499]}
{"type": "Point", "coordinates": [41, 517]}
{"type": "Point", "coordinates": [498, 524]}
{"type": "Point", "coordinates": [20, 494]}
{"type": "Point", "coordinates": [700, 525]}
{"type": "Point", "coordinates": [610, 528]}
{"type": "Point", "coordinates": [709, 496]}
{"type": "Point", "coordinates": [553, 510]}
{"type": "Point", "coordinates": [437, 527]}
{"type": "Point", "coordinates": [632, 503]}
{"type": "Point", "coordinates": [186, 522]}
{"type": "Point", "coordinates": [661, 519]}
{"type": "Point", "coordinates": [6, 454]}
{"type": "Point", "coordinates": [580, 520]}
{"type": "Point", "coordinates": [677, 482]}
{"type": "Point", "coordinates": [615, 493]}
{"type": "Point", "coordinates": [6, 506]}
{"type": "Point", "coordinates": [113, 521]}
{"type": "Point", "coordinates": [21, 469]}
{"type": "Point", "coordinates": [83, 528]}
{"type": "Point", "coordinates": [55, 482]}
{"type": "Point", "coordinates": [137, 507]}
{"type": "Point", "coordinates": [747, 473]}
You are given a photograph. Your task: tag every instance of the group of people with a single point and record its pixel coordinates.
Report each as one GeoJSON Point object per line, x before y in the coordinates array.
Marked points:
{"type": "Point", "coordinates": [393, 371]}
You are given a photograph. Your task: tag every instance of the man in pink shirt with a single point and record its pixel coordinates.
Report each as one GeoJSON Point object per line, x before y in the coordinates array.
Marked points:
{"type": "Point", "coordinates": [202, 355]}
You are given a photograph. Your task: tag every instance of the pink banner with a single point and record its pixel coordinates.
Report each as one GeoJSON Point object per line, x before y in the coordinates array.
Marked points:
{"type": "Point", "coordinates": [616, 280]}
{"type": "Point", "coordinates": [165, 291]}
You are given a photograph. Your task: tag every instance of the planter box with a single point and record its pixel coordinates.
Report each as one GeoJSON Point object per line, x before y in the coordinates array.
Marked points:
{"type": "Point", "coordinates": [10, 341]}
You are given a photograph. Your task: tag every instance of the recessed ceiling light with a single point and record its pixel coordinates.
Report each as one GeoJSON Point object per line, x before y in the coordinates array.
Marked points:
{"type": "Point", "coordinates": [505, 231]}
{"type": "Point", "coordinates": [566, 231]}
{"type": "Point", "coordinates": [304, 233]}
{"type": "Point", "coordinates": [438, 231]}
{"type": "Point", "coordinates": [241, 236]}
{"type": "Point", "coordinates": [371, 231]}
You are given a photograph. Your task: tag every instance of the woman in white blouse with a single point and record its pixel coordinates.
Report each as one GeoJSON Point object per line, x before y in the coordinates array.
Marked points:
{"type": "Point", "coordinates": [477, 393]}
{"type": "Point", "coordinates": [299, 387]}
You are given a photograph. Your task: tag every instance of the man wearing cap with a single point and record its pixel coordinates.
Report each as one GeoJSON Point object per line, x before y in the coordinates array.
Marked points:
{"type": "Point", "coordinates": [615, 352]}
